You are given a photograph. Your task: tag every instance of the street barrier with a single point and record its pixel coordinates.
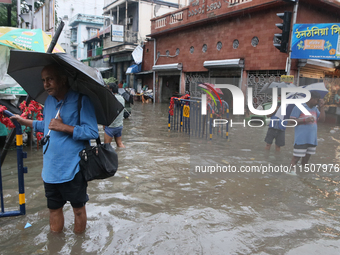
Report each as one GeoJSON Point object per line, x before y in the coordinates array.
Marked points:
{"type": "Point", "coordinates": [185, 116]}
{"type": "Point", "coordinates": [21, 170]}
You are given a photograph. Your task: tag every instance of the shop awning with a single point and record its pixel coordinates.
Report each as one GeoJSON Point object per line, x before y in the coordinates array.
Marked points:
{"type": "Point", "coordinates": [168, 67]}
{"type": "Point", "coordinates": [145, 72]}
{"type": "Point", "coordinates": [133, 69]}
{"type": "Point", "coordinates": [103, 69]}
{"type": "Point", "coordinates": [315, 68]}
{"type": "Point", "coordinates": [237, 62]}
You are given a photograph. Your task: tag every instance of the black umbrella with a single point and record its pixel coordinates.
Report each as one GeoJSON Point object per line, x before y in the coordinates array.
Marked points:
{"type": "Point", "coordinates": [26, 66]}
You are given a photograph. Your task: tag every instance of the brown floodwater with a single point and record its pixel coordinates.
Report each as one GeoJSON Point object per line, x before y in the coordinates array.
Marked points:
{"type": "Point", "coordinates": [158, 204]}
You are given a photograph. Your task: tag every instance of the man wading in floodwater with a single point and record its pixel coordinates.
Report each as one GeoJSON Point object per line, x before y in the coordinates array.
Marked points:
{"type": "Point", "coordinates": [62, 180]}
{"type": "Point", "coordinates": [305, 138]}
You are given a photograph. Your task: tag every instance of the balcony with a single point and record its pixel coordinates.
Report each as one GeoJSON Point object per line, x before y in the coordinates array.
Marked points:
{"type": "Point", "coordinates": [93, 19]}
{"type": "Point", "coordinates": [199, 11]}
{"type": "Point", "coordinates": [95, 52]}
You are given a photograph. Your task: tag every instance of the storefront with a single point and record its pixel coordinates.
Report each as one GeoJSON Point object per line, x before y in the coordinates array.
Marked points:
{"type": "Point", "coordinates": [169, 81]}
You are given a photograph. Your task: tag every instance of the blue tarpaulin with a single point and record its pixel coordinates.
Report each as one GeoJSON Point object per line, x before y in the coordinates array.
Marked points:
{"type": "Point", "coordinates": [134, 69]}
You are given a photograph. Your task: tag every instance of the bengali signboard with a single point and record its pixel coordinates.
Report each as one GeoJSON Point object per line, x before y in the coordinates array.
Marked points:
{"type": "Point", "coordinates": [316, 41]}
{"type": "Point", "coordinates": [117, 33]}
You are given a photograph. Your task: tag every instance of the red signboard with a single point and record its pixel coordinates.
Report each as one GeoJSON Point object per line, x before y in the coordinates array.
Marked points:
{"type": "Point", "coordinates": [6, 1]}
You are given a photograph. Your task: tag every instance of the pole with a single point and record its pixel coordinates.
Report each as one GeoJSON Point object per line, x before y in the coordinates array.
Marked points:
{"type": "Point", "coordinates": [154, 73]}
{"type": "Point", "coordinates": [9, 15]}
{"type": "Point", "coordinates": [18, 13]}
{"type": "Point", "coordinates": [291, 37]}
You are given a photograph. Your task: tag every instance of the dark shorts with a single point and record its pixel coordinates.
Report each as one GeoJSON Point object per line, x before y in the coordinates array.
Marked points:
{"type": "Point", "coordinates": [114, 132]}
{"type": "Point", "coordinates": [302, 149]}
{"type": "Point", "coordinates": [277, 134]}
{"type": "Point", "coordinates": [73, 191]}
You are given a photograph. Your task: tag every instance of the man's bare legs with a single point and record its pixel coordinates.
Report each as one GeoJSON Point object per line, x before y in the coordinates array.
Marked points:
{"type": "Point", "coordinates": [294, 161]}
{"type": "Point", "coordinates": [56, 220]}
{"type": "Point", "coordinates": [304, 160]}
{"type": "Point", "coordinates": [107, 138]}
{"type": "Point", "coordinates": [277, 148]}
{"type": "Point", "coordinates": [119, 142]}
{"type": "Point", "coordinates": [80, 219]}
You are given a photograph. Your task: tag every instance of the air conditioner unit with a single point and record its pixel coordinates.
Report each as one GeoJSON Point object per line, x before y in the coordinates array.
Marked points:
{"type": "Point", "coordinates": [107, 22]}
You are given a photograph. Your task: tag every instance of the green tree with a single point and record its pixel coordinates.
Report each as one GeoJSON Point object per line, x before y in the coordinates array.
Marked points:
{"type": "Point", "coordinates": [4, 17]}
{"type": "Point", "coordinates": [13, 10]}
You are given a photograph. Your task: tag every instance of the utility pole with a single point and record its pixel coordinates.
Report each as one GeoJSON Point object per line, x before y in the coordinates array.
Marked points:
{"type": "Point", "coordinates": [289, 62]}
{"type": "Point", "coordinates": [18, 13]}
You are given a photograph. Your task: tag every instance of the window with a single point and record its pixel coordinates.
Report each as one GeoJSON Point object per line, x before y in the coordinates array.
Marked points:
{"type": "Point", "coordinates": [92, 32]}
{"type": "Point", "coordinates": [255, 41]}
{"type": "Point", "coordinates": [204, 48]}
{"type": "Point", "coordinates": [219, 46]}
{"type": "Point", "coordinates": [73, 34]}
{"type": "Point", "coordinates": [74, 53]}
{"type": "Point", "coordinates": [236, 44]}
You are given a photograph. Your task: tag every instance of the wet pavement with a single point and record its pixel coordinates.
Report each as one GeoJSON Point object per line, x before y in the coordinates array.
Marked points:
{"type": "Point", "coordinates": [157, 204]}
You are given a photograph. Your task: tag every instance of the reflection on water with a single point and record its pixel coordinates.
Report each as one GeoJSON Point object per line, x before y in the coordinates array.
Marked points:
{"type": "Point", "coordinates": [154, 205]}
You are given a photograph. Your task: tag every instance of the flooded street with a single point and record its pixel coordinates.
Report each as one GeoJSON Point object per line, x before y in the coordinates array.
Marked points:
{"type": "Point", "coordinates": [157, 204]}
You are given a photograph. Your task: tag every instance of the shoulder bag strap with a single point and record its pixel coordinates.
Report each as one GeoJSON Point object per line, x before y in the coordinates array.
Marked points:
{"type": "Point", "coordinates": [79, 108]}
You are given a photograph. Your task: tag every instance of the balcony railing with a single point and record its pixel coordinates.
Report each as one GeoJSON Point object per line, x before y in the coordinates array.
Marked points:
{"type": "Point", "coordinates": [95, 52]}
{"type": "Point", "coordinates": [160, 23]}
{"type": "Point", "coordinates": [197, 11]}
{"type": "Point", "coordinates": [99, 51]}
{"type": "Point", "coordinates": [86, 18]}
{"type": "Point", "coordinates": [234, 2]}
{"type": "Point", "coordinates": [176, 17]}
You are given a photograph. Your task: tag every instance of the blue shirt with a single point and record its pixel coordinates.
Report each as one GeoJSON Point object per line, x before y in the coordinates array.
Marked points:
{"type": "Point", "coordinates": [306, 133]}
{"type": "Point", "coordinates": [61, 160]}
{"type": "Point", "coordinates": [275, 122]}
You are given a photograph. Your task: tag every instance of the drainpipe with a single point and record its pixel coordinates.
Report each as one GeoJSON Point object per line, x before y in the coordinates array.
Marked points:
{"type": "Point", "coordinates": [291, 38]}
{"type": "Point", "coordinates": [126, 17]}
{"type": "Point", "coordinates": [117, 15]}
{"type": "Point", "coordinates": [154, 73]}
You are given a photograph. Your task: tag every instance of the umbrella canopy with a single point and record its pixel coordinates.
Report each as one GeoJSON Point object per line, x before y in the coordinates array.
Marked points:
{"type": "Point", "coordinates": [317, 87]}
{"type": "Point", "coordinates": [126, 95]}
{"type": "Point", "coordinates": [267, 88]}
{"type": "Point", "coordinates": [26, 66]}
{"type": "Point", "coordinates": [27, 39]}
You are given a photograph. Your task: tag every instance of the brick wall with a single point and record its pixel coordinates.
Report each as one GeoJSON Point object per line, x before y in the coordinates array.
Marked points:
{"type": "Point", "coordinates": [243, 28]}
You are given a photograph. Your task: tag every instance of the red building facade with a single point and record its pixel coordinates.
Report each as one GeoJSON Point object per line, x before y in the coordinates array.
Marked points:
{"type": "Point", "coordinates": [228, 43]}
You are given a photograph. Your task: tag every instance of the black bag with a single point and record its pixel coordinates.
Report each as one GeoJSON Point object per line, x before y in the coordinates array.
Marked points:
{"type": "Point", "coordinates": [98, 162]}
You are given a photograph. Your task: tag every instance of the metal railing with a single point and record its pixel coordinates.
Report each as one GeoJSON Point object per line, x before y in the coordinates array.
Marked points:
{"type": "Point", "coordinates": [95, 52]}
{"type": "Point", "coordinates": [21, 171]}
{"type": "Point", "coordinates": [185, 116]}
